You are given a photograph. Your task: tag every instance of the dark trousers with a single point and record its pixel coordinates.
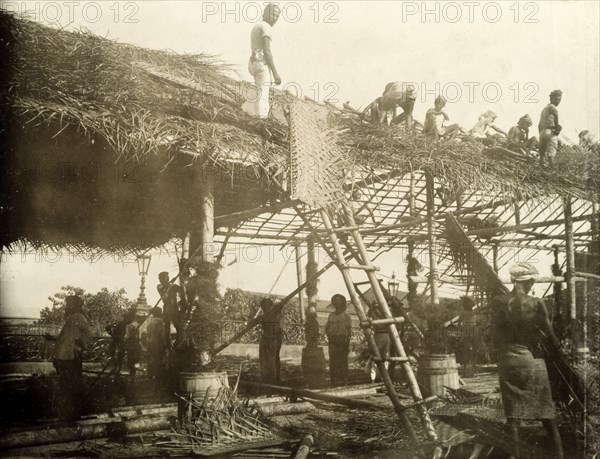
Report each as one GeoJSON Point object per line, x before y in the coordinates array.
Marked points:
{"type": "Point", "coordinates": [338, 362]}
{"type": "Point", "coordinates": [268, 355]}
{"type": "Point", "coordinates": [70, 388]}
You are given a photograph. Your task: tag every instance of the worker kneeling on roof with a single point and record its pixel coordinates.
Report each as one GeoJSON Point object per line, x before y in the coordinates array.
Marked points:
{"type": "Point", "coordinates": [384, 109]}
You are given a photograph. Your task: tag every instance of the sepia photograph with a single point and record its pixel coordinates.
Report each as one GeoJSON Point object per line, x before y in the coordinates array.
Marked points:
{"type": "Point", "coordinates": [300, 229]}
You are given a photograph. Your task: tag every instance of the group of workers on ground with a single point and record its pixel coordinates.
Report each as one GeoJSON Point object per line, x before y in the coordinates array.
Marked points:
{"type": "Point", "coordinates": [383, 110]}
{"type": "Point", "coordinates": [522, 335]}
{"type": "Point", "coordinates": [126, 346]}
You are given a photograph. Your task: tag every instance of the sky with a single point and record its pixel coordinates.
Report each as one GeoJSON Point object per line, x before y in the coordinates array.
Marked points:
{"type": "Point", "coordinates": [503, 56]}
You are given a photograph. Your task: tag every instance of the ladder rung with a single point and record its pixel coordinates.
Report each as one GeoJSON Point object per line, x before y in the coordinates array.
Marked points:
{"type": "Point", "coordinates": [363, 267]}
{"type": "Point", "coordinates": [433, 398]}
{"type": "Point", "coordinates": [393, 359]}
{"type": "Point", "coordinates": [388, 321]}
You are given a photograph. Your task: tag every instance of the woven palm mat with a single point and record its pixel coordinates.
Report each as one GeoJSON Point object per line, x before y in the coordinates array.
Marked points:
{"type": "Point", "coordinates": [317, 164]}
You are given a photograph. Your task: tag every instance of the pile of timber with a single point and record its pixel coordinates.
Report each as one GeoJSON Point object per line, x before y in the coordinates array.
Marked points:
{"type": "Point", "coordinates": [221, 425]}
{"type": "Point", "coordinates": [114, 424]}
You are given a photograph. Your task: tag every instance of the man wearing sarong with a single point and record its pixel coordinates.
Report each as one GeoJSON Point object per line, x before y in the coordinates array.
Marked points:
{"type": "Point", "coordinates": [522, 334]}
{"type": "Point", "coordinates": [172, 295]}
{"type": "Point", "coordinates": [261, 64]}
{"type": "Point", "coordinates": [68, 358]}
{"type": "Point", "coordinates": [157, 345]}
{"type": "Point", "coordinates": [270, 342]}
{"type": "Point", "coordinates": [550, 128]}
{"type": "Point", "coordinates": [518, 136]}
{"type": "Point", "coordinates": [338, 330]}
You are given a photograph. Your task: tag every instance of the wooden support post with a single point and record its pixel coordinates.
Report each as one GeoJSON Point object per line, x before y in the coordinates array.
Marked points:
{"type": "Point", "coordinates": [300, 276]}
{"type": "Point", "coordinates": [201, 247]}
{"type": "Point", "coordinates": [312, 286]}
{"type": "Point", "coordinates": [435, 300]}
{"type": "Point", "coordinates": [495, 257]}
{"type": "Point", "coordinates": [207, 229]}
{"type": "Point", "coordinates": [517, 208]}
{"type": "Point", "coordinates": [570, 272]}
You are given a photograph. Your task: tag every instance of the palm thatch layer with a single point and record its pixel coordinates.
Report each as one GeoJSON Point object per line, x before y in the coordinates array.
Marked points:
{"type": "Point", "coordinates": [103, 151]}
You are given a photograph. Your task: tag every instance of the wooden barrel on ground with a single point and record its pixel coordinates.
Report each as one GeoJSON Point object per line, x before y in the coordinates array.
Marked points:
{"type": "Point", "coordinates": [436, 371]}
{"type": "Point", "coordinates": [201, 387]}
{"type": "Point", "coordinates": [314, 368]}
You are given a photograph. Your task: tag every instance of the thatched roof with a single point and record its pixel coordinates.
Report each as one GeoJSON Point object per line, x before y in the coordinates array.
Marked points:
{"type": "Point", "coordinates": [103, 150]}
{"type": "Point", "coordinates": [135, 148]}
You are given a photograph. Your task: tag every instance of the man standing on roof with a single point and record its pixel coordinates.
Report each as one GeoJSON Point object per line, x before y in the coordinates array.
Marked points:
{"type": "Point", "coordinates": [262, 65]}
{"type": "Point", "coordinates": [550, 128]}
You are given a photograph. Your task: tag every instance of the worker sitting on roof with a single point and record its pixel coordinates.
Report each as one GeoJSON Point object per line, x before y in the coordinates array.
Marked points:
{"type": "Point", "coordinates": [518, 136]}
{"type": "Point", "coordinates": [485, 121]}
{"type": "Point", "coordinates": [261, 64]}
{"type": "Point", "coordinates": [435, 119]}
{"type": "Point", "coordinates": [383, 109]}
{"type": "Point", "coordinates": [549, 128]}
{"type": "Point", "coordinates": [586, 141]}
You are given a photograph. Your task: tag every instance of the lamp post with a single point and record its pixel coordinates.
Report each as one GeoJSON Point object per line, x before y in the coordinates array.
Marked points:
{"type": "Point", "coordinates": [393, 285]}
{"type": "Point", "coordinates": [143, 262]}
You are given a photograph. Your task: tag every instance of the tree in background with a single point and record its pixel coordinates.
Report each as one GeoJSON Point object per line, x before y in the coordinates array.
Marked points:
{"type": "Point", "coordinates": [102, 308]}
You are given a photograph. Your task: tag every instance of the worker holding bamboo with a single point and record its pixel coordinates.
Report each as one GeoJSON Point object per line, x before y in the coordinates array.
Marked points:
{"type": "Point", "coordinates": [339, 331]}
{"type": "Point", "coordinates": [523, 335]}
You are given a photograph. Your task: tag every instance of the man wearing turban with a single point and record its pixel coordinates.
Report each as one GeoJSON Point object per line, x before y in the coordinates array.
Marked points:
{"type": "Point", "coordinates": [522, 334]}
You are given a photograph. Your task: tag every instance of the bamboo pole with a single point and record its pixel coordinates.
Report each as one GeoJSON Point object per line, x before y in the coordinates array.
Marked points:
{"type": "Point", "coordinates": [299, 277]}
{"type": "Point", "coordinates": [376, 288]}
{"type": "Point", "coordinates": [495, 257]}
{"type": "Point", "coordinates": [570, 272]}
{"type": "Point", "coordinates": [431, 240]}
{"type": "Point", "coordinates": [369, 335]}
{"type": "Point", "coordinates": [254, 322]}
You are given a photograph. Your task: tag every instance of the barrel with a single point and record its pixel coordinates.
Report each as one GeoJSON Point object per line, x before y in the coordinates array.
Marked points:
{"type": "Point", "coordinates": [201, 384]}
{"type": "Point", "coordinates": [314, 369]}
{"type": "Point", "coordinates": [436, 371]}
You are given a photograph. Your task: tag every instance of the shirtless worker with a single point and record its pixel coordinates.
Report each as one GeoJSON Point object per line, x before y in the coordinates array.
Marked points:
{"type": "Point", "coordinates": [549, 128]}
{"type": "Point", "coordinates": [383, 109]}
{"type": "Point", "coordinates": [261, 64]}
{"type": "Point", "coordinates": [435, 119]}
{"type": "Point", "coordinates": [518, 136]}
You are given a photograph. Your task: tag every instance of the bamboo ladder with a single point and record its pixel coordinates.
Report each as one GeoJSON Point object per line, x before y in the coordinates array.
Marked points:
{"type": "Point", "coordinates": [317, 178]}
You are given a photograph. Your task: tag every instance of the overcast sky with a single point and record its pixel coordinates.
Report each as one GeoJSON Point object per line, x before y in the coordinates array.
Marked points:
{"type": "Point", "coordinates": [504, 56]}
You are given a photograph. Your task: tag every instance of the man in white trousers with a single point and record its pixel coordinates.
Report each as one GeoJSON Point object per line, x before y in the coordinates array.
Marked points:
{"type": "Point", "coordinates": [261, 65]}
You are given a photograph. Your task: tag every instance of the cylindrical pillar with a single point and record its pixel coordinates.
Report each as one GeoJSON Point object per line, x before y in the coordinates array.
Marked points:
{"type": "Point", "coordinates": [431, 239]}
